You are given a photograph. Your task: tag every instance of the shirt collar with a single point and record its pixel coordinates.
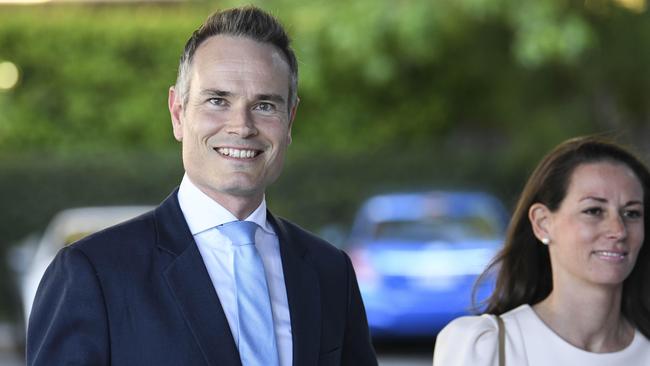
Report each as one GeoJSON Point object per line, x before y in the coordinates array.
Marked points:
{"type": "Point", "coordinates": [203, 213]}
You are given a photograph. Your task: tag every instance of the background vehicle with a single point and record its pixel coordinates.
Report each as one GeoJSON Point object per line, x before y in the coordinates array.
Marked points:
{"type": "Point", "coordinates": [418, 255]}
{"type": "Point", "coordinates": [31, 258]}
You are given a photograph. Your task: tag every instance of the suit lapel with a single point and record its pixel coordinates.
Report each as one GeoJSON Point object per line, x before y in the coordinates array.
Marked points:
{"type": "Point", "coordinates": [303, 295]}
{"type": "Point", "coordinates": [192, 288]}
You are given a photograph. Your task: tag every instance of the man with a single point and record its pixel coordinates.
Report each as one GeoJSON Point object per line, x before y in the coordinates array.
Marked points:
{"type": "Point", "coordinates": [175, 286]}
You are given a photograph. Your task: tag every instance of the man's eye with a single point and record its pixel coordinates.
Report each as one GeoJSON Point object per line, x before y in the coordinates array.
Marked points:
{"type": "Point", "coordinates": [593, 211]}
{"type": "Point", "coordinates": [217, 101]}
{"type": "Point", "coordinates": [265, 107]}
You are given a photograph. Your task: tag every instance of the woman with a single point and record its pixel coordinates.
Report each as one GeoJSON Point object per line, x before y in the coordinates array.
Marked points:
{"type": "Point", "coordinates": [573, 283]}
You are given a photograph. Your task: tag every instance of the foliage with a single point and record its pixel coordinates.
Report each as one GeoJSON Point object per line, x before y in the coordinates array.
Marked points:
{"type": "Point", "coordinates": [92, 77]}
{"type": "Point", "coordinates": [373, 73]}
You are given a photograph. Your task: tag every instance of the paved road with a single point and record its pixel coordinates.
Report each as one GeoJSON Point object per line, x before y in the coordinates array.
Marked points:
{"type": "Point", "coordinates": [405, 353]}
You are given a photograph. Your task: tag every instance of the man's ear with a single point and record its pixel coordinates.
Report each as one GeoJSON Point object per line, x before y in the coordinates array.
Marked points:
{"type": "Point", "coordinates": [292, 116]}
{"type": "Point", "coordinates": [540, 219]}
{"type": "Point", "coordinates": [175, 104]}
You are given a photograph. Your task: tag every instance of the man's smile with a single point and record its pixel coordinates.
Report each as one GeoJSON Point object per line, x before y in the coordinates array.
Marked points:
{"type": "Point", "coordinates": [237, 153]}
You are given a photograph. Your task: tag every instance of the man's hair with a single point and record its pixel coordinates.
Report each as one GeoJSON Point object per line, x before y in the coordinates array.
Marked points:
{"type": "Point", "coordinates": [250, 22]}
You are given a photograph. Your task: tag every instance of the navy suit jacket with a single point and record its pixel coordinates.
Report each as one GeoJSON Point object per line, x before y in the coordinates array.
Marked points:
{"type": "Point", "coordinates": [139, 294]}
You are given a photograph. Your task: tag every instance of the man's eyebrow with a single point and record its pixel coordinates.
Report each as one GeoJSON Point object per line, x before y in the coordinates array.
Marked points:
{"type": "Point", "coordinates": [223, 93]}
{"type": "Point", "coordinates": [271, 97]}
{"type": "Point", "coordinates": [215, 93]}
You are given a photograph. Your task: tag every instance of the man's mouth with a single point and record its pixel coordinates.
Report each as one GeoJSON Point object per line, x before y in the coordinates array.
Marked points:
{"type": "Point", "coordinates": [237, 153]}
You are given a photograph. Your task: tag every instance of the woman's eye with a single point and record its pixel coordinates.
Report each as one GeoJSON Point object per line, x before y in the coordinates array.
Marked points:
{"type": "Point", "coordinates": [632, 214]}
{"type": "Point", "coordinates": [593, 211]}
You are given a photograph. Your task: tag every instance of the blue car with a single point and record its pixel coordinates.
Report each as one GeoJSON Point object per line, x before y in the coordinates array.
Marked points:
{"type": "Point", "coordinates": [418, 255]}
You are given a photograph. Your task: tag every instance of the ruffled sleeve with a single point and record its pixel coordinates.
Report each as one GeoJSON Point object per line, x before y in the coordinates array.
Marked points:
{"type": "Point", "coordinates": [468, 341]}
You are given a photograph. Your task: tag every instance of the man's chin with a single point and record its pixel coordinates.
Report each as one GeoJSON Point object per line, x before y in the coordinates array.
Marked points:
{"type": "Point", "coordinates": [244, 192]}
{"type": "Point", "coordinates": [243, 189]}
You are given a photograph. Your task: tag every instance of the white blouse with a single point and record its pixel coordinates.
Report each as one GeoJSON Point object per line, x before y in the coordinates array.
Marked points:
{"type": "Point", "coordinates": [473, 341]}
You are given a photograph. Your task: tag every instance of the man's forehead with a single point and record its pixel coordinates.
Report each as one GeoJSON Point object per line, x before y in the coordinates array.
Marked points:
{"type": "Point", "coordinates": [229, 49]}
{"type": "Point", "coordinates": [239, 65]}
{"type": "Point", "coordinates": [211, 73]}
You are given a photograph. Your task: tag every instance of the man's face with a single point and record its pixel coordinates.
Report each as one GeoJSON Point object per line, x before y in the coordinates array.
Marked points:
{"type": "Point", "coordinates": [236, 124]}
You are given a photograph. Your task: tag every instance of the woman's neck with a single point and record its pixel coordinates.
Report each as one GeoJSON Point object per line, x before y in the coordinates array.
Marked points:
{"type": "Point", "coordinates": [589, 318]}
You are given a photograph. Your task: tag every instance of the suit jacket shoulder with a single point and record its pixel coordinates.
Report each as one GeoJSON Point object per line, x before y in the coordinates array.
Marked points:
{"type": "Point", "coordinates": [131, 239]}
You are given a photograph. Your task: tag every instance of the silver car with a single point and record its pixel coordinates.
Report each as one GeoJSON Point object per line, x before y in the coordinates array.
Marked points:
{"type": "Point", "coordinates": [31, 258]}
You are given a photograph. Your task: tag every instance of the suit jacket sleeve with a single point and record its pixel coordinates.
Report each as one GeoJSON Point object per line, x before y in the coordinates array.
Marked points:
{"type": "Point", "coordinates": [68, 324]}
{"type": "Point", "coordinates": [357, 347]}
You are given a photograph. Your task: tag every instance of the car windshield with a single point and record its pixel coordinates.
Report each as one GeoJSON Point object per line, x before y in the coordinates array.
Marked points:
{"type": "Point", "coordinates": [442, 228]}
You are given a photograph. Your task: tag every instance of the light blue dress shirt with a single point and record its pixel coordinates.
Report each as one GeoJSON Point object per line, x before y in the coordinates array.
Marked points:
{"type": "Point", "coordinates": [203, 214]}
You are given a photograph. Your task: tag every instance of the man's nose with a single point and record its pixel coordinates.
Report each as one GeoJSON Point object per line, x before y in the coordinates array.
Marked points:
{"type": "Point", "coordinates": [241, 122]}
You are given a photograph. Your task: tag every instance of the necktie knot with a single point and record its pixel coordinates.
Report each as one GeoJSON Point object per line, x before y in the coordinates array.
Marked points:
{"type": "Point", "coordinates": [240, 232]}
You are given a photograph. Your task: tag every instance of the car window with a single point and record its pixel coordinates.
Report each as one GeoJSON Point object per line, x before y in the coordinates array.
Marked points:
{"type": "Point", "coordinates": [444, 228]}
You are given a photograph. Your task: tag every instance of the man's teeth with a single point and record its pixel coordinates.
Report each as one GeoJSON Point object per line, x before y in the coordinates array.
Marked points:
{"type": "Point", "coordinates": [237, 153]}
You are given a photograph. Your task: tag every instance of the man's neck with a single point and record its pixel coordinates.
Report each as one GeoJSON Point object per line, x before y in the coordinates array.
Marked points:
{"type": "Point", "coordinates": [241, 206]}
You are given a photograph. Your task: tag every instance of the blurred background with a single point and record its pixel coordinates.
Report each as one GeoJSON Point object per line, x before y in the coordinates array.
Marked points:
{"type": "Point", "coordinates": [396, 96]}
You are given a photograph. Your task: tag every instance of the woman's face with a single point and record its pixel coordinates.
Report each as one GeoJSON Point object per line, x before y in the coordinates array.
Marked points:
{"type": "Point", "coordinates": [597, 232]}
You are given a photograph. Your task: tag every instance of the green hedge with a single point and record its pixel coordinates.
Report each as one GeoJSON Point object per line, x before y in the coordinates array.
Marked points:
{"type": "Point", "coordinates": [373, 74]}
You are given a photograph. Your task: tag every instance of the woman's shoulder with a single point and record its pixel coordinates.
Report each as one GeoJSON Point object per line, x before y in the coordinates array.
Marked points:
{"type": "Point", "coordinates": [474, 340]}
{"type": "Point", "coordinates": [474, 326]}
{"type": "Point", "coordinates": [468, 340]}
{"type": "Point", "coordinates": [484, 326]}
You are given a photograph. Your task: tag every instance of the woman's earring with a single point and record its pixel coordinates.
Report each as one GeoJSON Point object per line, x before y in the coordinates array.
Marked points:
{"type": "Point", "coordinates": [546, 241]}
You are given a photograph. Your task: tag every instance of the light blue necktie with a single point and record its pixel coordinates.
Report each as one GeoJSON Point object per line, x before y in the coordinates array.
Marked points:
{"type": "Point", "coordinates": [256, 336]}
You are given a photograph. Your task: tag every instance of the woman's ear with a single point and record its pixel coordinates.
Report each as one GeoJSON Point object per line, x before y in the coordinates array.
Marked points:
{"type": "Point", "coordinates": [540, 218]}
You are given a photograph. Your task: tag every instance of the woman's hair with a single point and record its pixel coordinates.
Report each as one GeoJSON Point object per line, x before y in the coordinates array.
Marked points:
{"type": "Point", "coordinates": [523, 265]}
